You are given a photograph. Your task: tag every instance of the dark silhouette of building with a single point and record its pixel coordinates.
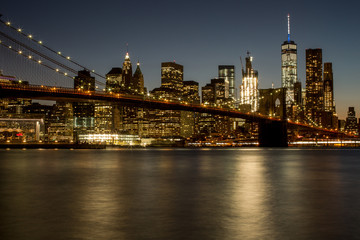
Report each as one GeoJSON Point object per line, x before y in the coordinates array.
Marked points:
{"type": "Point", "coordinates": [114, 81]}
{"type": "Point", "coordinates": [84, 81]}
{"type": "Point", "coordinates": [138, 81]}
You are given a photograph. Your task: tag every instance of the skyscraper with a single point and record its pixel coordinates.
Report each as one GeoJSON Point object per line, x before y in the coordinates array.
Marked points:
{"type": "Point", "coordinates": [138, 80]}
{"type": "Point", "coordinates": [83, 112]}
{"type": "Point", "coordinates": [328, 88]}
{"type": "Point", "coordinates": [314, 85]}
{"type": "Point", "coordinates": [351, 124]}
{"type": "Point", "coordinates": [172, 76]}
{"type": "Point", "coordinates": [189, 120]}
{"type": "Point", "coordinates": [249, 92]}
{"type": "Point", "coordinates": [227, 72]}
{"type": "Point", "coordinates": [127, 73]}
{"type": "Point", "coordinates": [289, 66]}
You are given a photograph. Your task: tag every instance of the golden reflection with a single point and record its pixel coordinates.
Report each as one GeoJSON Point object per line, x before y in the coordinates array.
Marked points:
{"type": "Point", "coordinates": [250, 198]}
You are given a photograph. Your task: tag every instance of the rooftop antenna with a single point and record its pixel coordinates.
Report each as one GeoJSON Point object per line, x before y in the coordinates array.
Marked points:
{"type": "Point", "coordinates": [288, 17]}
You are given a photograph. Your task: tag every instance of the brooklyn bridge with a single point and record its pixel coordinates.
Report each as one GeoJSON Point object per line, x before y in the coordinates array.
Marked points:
{"type": "Point", "coordinates": [33, 70]}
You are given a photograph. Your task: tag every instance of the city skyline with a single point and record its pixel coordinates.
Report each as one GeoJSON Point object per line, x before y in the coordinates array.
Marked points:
{"type": "Point", "coordinates": [200, 38]}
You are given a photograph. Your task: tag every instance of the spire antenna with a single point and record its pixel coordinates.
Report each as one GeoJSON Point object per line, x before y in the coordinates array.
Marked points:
{"type": "Point", "coordinates": [288, 18]}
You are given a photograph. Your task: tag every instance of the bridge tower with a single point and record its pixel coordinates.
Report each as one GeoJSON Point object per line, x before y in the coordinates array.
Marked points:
{"type": "Point", "coordinates": [273, 133]}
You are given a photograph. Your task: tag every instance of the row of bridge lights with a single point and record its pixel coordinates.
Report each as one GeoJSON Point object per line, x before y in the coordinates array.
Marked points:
{"type": "Point", "coordinates": [39, 61]}
{"type": "Point", "coordinates": [40, 42]}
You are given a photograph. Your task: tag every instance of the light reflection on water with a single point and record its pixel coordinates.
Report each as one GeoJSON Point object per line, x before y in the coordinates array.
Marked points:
{"type": "Point", "coordinates": [180, 194]}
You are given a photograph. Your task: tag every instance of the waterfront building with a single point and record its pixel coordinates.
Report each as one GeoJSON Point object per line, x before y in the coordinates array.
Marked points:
{"type": "Point", "coordinates": [60, 123]}
{"type": "Point", "coordinates": [103, 117]}
{"type": "Point", "coordinates": [83, 112]}
{"type": "Point", "coordinates": [167, 123]}
{"type": "Point", "coordinates": [12, 106]}
{"type": "Point", "coordinates": [164, 123]}
{"type": "Point", "coordinates": [249, 93]}
{"type": "Point", "coordinates": [314, 86]}
{"type": "Point", "coordinates": [227, 72]}
{"type": "Point", "coordinates": [214, 94]}
{"type": "Point", "coordinates": [289, 67]}
{"type": "Point", "coordinates": [189, 120]}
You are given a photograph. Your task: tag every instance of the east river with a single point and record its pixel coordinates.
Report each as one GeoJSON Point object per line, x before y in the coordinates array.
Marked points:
{"type": "Point", "coordinates": [180, 194]}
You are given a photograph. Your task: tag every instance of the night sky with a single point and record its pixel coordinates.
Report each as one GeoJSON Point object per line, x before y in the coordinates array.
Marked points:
{"type": "Point", "coordinates": [199, 35]}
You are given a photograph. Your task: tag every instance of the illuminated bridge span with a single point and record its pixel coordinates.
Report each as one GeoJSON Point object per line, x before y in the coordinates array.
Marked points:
{"type": "Point", "coordinates": [51, 74]}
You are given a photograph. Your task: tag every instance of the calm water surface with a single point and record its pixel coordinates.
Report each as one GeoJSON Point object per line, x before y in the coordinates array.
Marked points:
{"type": "Point", "coordinates": [180, 194]}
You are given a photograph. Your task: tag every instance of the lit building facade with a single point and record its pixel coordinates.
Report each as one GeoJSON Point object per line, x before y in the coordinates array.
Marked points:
{"type": "Point", "coordinates": [289, 66]}
{"type": "Point", "coordinates": [164, 123]}
{"type": "Point", "coordinates": [127, 74]}
{"type": "Point", "coordinates": [329, 104]}
{"type": "Point", "coordinates": [189, 120]}
{"type": "Point", "coordinates": [314, 85]}
{"type": "Point", "coordinates": [214, 94]}
{"type": "Point", "coordinates": [329, 119]}
{"type": "Point", "coordinates": [351, 124]}
{"type": "Point", "coordinates": [84, 112]}
{"type": "Point", "coordinates": [172, 75]}
{"type": "Point", "coordinates": [227, 72]}
{"type": "Point", "coordinates": [249, 93]}
{"type": "Point", "coordinates": [60, 125]}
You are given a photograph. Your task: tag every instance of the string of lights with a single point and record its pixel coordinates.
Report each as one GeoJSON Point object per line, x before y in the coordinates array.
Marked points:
{"type": "Point", "coordinates": [31, 58]}
{"type": "Point", "coordinates": [44, 56]}
{"type": "Point", "coordinates": [30, 36]}
{"type": "Point", "coordinates": [37, 52]}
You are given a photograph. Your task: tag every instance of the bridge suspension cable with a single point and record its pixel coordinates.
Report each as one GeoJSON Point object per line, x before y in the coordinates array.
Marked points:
{"type": "Point", "coordinates": [39, 42]}
{"type": "Point", "coordinates": [29, 57]}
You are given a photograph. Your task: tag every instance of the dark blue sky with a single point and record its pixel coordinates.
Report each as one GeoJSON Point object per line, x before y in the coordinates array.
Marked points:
{"type": "Point", "coordinates": [199, 35]}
